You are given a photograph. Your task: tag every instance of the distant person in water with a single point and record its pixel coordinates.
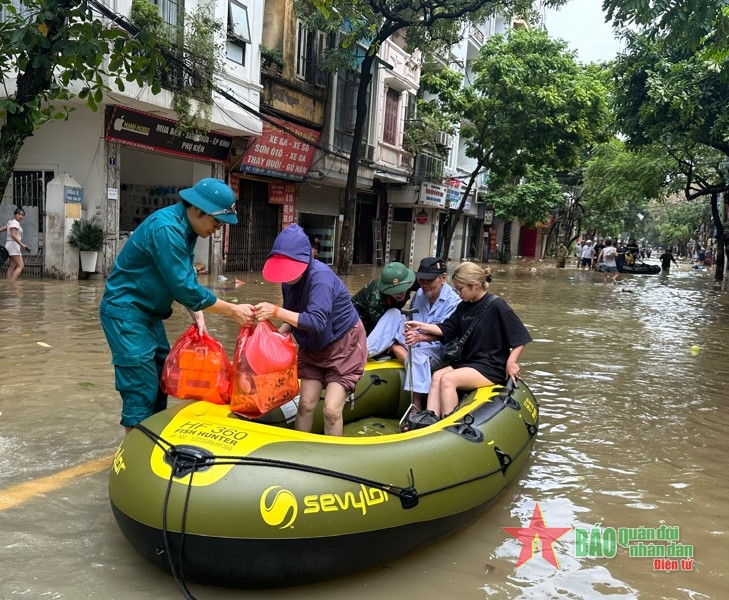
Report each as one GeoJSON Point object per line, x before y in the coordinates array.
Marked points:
{"type": "Point", "coordinates": [666, 259]}
{"type": "Point", "coordinates": [607, 259]}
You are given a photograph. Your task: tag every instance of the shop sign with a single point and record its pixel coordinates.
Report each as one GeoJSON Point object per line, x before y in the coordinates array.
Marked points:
{"type": "Point", "coordinates": [288, 213]}
{"type": "Point", "coordinates": [278, 153]}
{"type": "Point", "coordinates": [422, 218]}
{"type": "Point", "coordinates": [73, 195]}
{"type": "Point", "coordinates": [433, 194]}
{"type": "Point", "coordinates": [143, 130]}
{"type": "Point", "coordinates": [281, 193]}
{"type": "Point", "coordinates": [453, 195]}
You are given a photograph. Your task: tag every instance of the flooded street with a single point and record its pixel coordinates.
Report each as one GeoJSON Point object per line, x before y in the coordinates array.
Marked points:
{"type": "Point", "coordinates": [633, 434]}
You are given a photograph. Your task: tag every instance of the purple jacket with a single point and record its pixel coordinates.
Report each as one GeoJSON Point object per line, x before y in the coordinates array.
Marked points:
{"type": "Point", "coordinates": [322, 300]}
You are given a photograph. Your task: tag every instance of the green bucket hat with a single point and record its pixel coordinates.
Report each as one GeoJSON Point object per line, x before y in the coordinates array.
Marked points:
{"type": "Point", "coordinates": [395, 279]}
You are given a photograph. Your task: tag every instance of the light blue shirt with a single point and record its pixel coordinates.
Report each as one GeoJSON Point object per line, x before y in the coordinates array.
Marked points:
{"type": "Point", "coordinates": [390, 328]}
{"type": "Point", "coordinates": [441, 308]}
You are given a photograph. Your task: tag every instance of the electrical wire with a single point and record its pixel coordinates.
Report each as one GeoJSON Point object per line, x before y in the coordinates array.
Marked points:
{"type": "Point", "coordinates": [125, 24]}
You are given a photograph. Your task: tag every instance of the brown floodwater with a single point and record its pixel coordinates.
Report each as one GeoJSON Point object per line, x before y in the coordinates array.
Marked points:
{"type": "Point", "coordinates": [633, 434]}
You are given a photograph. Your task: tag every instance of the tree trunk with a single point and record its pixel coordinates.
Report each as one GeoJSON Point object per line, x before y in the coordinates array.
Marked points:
{"type": "Point", "coordinates": [346, 248]}
{"type": "Point", "coordinates": [505, 254]}
{"type": "Point", "coordinates": [454, 216]}
{"type": "Point", "coordinates": [719, 245]}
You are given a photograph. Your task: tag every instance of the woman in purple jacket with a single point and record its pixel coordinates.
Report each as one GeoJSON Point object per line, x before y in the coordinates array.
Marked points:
{"type": "Point", "coordinates": [318, 309]}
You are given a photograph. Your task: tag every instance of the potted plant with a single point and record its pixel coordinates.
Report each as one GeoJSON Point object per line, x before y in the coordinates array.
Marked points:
{"type": "Point", "coordinates": [87, 237]}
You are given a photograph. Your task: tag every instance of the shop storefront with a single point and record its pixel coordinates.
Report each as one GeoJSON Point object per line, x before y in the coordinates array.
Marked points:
{"type": "Point", "coordinates": [268, 183]}
{"type": "Point", "coordinates": [148, 162]}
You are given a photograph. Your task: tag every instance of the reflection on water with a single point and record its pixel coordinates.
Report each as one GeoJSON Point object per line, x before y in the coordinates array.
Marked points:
{"type": "Point", "coordinates": [633, 433]}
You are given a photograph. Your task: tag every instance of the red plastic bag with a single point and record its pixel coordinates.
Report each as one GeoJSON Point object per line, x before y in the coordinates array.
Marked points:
{"type": "Point", "coordinates": [265, 373]}
{"type": "Point", "coordinates": [197, 368]}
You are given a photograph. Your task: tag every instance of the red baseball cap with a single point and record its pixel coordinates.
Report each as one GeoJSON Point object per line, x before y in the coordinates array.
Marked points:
{"type": "Point", "coordinates": [290, 255]}
{"type": "Point", "coordinates": [282, 269]}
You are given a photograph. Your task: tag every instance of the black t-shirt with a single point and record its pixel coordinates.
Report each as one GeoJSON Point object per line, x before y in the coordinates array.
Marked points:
{"type": "Point", "coordinates": [491, 341]}
{"type": "Point", "coordinates": [666, 259]}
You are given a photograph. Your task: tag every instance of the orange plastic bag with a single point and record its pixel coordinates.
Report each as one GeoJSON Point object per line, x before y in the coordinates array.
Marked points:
{"type": "Point", "coordinates": [197, 368]}
{"type": "Point", "coordinates": [265, 373]}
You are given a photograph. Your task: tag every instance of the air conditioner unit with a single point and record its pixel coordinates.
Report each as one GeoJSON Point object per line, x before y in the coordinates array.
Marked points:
{"type": "Point", "coordinates": [366, 151]}
{"type": "Point", "coordinates": [429, 167]}
{"type": "Point", "coordinates": [443, 139]}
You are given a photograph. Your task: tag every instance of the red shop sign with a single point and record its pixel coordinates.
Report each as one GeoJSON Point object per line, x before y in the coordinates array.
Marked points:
{"type": "Point", "coordinates": [281, 193]}
{"type": "Point", "coordinates": [278, 153]}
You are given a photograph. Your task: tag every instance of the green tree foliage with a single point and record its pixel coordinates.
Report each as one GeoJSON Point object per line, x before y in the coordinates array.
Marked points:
{"type": "Point", "coordinates": [665, 93]}
{"type": "Point", "coordinates": [58, 50]}
{"type": "Point", "coordinates": [668, 95]}
{"type": "Point", "coordinates": [531, 104]}
{"type": "Point", "coordinates": [676, 221]}
{"type": "Point", "coordinates": [619, 183]}
{"type": "Point", "coordinates": [527, 115]}
{"type": "Point", "coordinates": [690, 23]}
{"type": "Point", "coordinates": [364, 26]}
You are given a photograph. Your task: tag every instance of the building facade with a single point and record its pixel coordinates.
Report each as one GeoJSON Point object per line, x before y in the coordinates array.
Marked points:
{"type": "Point", "coordinates": [281, 132]}
{"type": "Point", "coordinates": [125, 160]}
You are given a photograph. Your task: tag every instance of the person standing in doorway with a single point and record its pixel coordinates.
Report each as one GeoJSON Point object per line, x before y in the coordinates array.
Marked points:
{"type": "Point", "coordinates": [315, 246]}
{"type": "Point", "coordinates": [153, 270]}
{"type": "Point", "coordinates": [14, 245]}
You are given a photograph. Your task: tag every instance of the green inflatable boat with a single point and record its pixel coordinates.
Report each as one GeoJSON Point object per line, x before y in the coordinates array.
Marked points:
{"type": "Point", "coordinates": [218, 499]}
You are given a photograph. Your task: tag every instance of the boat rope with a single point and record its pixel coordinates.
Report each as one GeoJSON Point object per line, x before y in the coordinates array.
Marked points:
{"type": "Point", "coordinates": [177, 570]}
{"type": "Point", "coordinates": [504, 461]}
{"type": "Point", "coordinates": [181, 456]}
{"type": "Point", "coordinates": [184, 461]}
{"type": "Point", "coordinates": [374, 380]}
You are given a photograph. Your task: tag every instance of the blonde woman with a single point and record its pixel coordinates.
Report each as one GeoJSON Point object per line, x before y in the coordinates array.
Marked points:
{"type": "Point", "coordinates": [492, 350]}
{"type": "Point", "coordinates": [14, 245]}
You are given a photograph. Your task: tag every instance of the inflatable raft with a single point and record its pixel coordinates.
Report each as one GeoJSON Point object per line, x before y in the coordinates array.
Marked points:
{"type": "Point", "coordinates": [217, 499]}
{"type": "Point", "coordinates": [640, 268]}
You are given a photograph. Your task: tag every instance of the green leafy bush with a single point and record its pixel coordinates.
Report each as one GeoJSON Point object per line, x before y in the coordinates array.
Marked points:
{"type": "Point", "coordinates": [86, 235]}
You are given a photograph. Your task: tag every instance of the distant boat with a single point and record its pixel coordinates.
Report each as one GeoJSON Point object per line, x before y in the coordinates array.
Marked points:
{"type": "Point", "coordinates": [640, 268]}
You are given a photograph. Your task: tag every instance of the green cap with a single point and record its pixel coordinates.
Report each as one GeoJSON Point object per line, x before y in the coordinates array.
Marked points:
{"type": "Point", "coordinates": [395, 279]}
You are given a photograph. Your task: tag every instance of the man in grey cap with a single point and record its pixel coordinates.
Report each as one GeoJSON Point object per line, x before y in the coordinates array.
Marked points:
{"type": "Point", "coordinates": [153, 270]}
